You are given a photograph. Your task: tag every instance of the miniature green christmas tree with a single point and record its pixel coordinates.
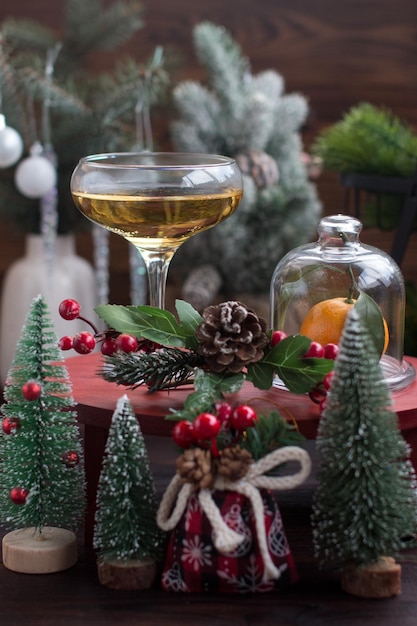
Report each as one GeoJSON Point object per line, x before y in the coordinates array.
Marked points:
{"type": "Point", "coordinates": [365, 506]}
{"type": "Point", "coordinates": [41, 460]}
{"type": "Point", "coordinates": [126, 535]}
{"type": "Point", "coordinates": [252, 119]}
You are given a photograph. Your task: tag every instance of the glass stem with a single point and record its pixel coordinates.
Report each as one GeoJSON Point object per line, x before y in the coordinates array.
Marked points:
{"type": "Point", "coordinates": [157, 265]}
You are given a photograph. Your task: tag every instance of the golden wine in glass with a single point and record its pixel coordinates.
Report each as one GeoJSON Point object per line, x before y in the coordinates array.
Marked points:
{"type": "Point", "coordinates": [156, 201]}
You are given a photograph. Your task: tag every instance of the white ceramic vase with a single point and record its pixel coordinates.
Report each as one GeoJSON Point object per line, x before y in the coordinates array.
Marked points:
{"type": "Point", "coordinates": [70, 276]}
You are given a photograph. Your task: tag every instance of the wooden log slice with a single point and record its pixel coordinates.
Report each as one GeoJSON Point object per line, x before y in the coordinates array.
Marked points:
{"type": "Point", "coordinates": [377, 580]}
{"type": "Point", "coordinates": [130, 574]}
{"type": "Point", "coordinates": [28, 552]}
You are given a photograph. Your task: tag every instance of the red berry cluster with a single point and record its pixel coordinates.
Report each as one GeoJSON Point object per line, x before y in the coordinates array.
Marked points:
{"type": "Point", "coordinates": [84, 342]}
{"type": "Point", "coordinates": [317, 351]}
{"type": "Point", "coordinates": [204, 429]}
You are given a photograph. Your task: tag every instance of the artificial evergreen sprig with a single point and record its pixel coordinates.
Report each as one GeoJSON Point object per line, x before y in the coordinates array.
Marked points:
{"type": "Point", "coordinates": [369, 140]}
{"type": "Point", "coordinates": [227, 344]}
{"type": "Point", "coordinates": [162, 369]}
{"type": "Point", "coordinates": [270, 431]}
{"type": "Point", "coordinates": [228, 329]}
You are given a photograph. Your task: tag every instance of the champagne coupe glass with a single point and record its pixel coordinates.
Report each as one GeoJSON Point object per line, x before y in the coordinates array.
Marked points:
{"type": "Point", "coordinates": [156, 201]}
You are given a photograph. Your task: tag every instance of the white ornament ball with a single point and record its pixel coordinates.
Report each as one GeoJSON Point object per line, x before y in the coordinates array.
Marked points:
{"type": "Point", "coordinates": [11, 146]}
{"type": "Point", "coordinates": [35, 176]}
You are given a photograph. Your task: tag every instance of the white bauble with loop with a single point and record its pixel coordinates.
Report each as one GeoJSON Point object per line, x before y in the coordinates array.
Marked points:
{"type": "Point", "coordinates": [11, 144]}
{"type": "Point", "coordinates": [35, 175]}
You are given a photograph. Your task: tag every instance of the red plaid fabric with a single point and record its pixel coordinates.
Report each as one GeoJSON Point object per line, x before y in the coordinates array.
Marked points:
{"type": "Point", "coordinates": [194, 565]}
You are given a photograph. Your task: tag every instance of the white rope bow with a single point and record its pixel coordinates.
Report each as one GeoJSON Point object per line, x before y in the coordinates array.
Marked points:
{"type": "Point", "coordinates": [225, 539]}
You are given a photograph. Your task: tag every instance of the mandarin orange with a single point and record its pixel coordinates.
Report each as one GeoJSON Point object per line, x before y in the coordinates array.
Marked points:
{"type": "Point", "coordinates": [325, 320]}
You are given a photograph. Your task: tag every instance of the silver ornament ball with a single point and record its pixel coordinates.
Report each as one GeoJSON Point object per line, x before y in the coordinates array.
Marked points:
{"type": "Point", "coordinates": [35, 176]}
{"type": "Point", "coordinates": [11, 146]}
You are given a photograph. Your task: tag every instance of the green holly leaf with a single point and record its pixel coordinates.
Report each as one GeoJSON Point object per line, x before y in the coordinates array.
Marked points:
{"type": "Point", "coordinates": [199, 401]}
{"type": "Point", "coordinates": [208, 387]}
{"type": "Point", "coordinates": [195, 403]}
{"type": "Point", "coordinates": [371, 317]}
{"type": "Point", "coordinates": [190, 319]}
{"type": "Point", "coordinates": [144, 321]}
{"type": "Point", "coordinates": [231, 383]}
{"type": "Point", "coordinates": [286, 359]}
{"type": "Point", "coordinates": [220, 384]}
{"type": "Point", "coordinates": [204, 381]}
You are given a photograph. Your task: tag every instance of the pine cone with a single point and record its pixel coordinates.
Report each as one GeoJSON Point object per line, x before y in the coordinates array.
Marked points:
{"type": "Point", "coordinates": [260, 166]}
{"type": "Point", "coordinates": [233, 463]}
{"type": "Point", "coordinates": [231, 336]}
{"type": "Point", "coordinates": [195, 466]}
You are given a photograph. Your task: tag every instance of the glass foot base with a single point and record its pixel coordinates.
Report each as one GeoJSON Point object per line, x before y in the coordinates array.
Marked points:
{"type": "Point", "coordinates": [397, 375]}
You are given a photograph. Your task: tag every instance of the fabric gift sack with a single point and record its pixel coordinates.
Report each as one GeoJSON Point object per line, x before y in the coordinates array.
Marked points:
{"type": "Point", "coordinates": [230, 539]}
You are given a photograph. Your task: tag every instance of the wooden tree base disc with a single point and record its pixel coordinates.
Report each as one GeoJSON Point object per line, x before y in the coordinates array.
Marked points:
{"type": "Point", "coordinates": [54, 550]}
{"type": "Point", "coordinates": [378, 580]}
{"type": "Point", "coordinates": [129, 574]}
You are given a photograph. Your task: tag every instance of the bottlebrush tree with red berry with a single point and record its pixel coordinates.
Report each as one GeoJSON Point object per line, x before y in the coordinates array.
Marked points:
{"type": "Point", "coordinates": [41, 460]}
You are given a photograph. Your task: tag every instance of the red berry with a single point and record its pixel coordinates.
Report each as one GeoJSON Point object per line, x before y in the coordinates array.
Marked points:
{"type": "Point", "coordinates": [148, 346]}
{"type": "Point", "coordinates": [317, 394]}
{"type": "Point", "coordinates": [244, 416]}
{"type": "Point", "coordinates": [65, 343]}
{"type": "Point", "coordinates": [69, 309]}
{"type": "Point", "coordinates": [183, 434]}
{"type": "Point", "coordinates": [109, 346]}
{"type": "Point", "coordinates": [277, 336]}
{"type": "Point", "coordinates": [331, 350]}
{"type": "Point", "coordinates": [206, 426]}
{"type": "Point", "coordinates": [315, 350]}
{"type": "Point", "coordinates": [10, 425]}
{"type": "Point", "coordinates": [127, 343]}
{"type": "Point", "coordinates": [18, 495]}
{"type": "Point", "coordinates": [31, 391]}
{"type": "Point", "coordinates": [70, 459]}
{"type": "Point", "coordinates": [327, 380]}
{"type": "Point", "coordinates": [223, 410]}
{"type": "Point", "coordinates": [83, 342]}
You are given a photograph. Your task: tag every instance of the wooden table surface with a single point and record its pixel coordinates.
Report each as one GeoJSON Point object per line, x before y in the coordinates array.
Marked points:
{"type": "Point", "coordinates": [75, 597]}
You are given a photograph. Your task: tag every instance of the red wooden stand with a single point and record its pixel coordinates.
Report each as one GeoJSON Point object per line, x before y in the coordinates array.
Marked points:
{"type": "Point", "coordinates": [97, 400]}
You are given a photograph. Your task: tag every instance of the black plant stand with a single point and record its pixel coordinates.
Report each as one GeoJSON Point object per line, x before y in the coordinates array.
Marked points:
{"type": "Point", "coordinates": [405, 189]}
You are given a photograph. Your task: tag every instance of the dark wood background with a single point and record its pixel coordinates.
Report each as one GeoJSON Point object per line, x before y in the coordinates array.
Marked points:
{"type": "Point", "coordinates": [337, 54]}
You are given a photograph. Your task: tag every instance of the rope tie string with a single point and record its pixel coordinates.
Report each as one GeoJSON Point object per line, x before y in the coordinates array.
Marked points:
{"type": "Point", "coordinates": [225, 539]}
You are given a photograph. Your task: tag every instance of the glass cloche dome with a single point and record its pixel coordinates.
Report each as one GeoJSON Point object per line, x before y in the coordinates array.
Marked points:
{"type": "Point", "coordinates": [327, 269]}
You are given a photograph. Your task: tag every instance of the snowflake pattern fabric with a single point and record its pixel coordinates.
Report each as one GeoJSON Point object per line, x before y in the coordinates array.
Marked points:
{"type": "Point", "coordinates": [193, 564]}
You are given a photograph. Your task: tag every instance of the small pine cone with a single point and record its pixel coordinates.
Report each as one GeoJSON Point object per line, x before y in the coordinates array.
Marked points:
{"type": "Point", "coordinates": [260, 166]}
{"type": "Point", "coordinates": [233, 463]}
{"type": "Point", "coordinates": [195, 466]}
{"type": "Point", "coordinates": [231, 336]}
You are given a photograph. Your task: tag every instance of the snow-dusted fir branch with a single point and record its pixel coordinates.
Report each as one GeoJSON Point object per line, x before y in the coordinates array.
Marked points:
{"type": "Point", "coordinates": [249, 117]}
